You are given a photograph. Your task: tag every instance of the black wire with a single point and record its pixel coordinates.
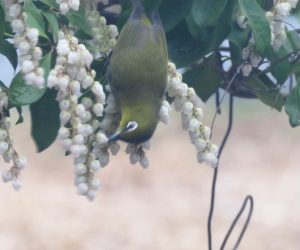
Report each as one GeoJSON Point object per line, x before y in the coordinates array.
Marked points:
{"type": "Point", "coordinates": [218, 101]}
{"type": "Point", "coordinates": [215, 174]}
{"type": "Point", "coordinates": [249, 199]}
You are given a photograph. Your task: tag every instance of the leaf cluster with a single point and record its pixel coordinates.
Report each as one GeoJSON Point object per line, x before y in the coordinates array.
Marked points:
{"type": "Point", "coordinates": [203, 39]}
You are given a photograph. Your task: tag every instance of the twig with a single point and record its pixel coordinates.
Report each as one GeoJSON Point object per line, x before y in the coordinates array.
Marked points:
{"type": "Point", "coordinates": [218, 101]}
{"type": "Point", "coordinates": [228, 86]}
{"type": "Point", "coordinates": [215, 175]}
{"type": "Point", "coordinates": [249, 199]}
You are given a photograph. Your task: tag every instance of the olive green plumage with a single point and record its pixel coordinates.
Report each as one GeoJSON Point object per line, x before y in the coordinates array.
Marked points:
{"type": "Point", "coordinates": [137, 74]}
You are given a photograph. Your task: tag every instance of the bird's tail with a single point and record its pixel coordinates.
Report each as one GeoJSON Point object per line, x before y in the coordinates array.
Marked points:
{"type": "Point", "coordinates": [138, 10]}
{"type": "Point", "coordinates": [136, 4]}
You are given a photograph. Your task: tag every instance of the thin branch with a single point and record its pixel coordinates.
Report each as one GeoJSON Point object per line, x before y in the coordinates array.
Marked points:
{"type": "Point", "coordinates": [270, 90]}
{"type": "Point", "coordinates": [291, 83]}
{"type": "Point", "coordinates": [218, 108]}
{"type": "Point", "coordinates": [248, 199]}
{"type": "Point", "coordinates": [228, 86]}
{"type": "Point", "coordinates": [276, 63]}
{"type": "Point", "coordinates": [215, 174]}
{"type": "Point", "coordinates": [288, 24]}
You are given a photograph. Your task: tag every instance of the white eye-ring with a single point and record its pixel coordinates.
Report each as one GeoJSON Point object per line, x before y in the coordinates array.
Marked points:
{"type": "Point", "coordinates": [131, 126]}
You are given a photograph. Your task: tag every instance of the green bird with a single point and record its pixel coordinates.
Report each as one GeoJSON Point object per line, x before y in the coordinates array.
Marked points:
{"type": "Point", "coordinates": [137, 75]}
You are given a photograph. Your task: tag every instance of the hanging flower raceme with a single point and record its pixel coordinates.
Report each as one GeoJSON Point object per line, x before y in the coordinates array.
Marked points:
{"type": "Point", "coordinates": [275, 17]}
{"type": "Point", "coordinates": [7, 150]}
{"type": "Point", "coordinates": [185, 101]}
{"type": "Point", "coordinates": [137, 153]}
{"type": "Point", "coordinates": [80, 130]}
{"type": "Point", "coordinates": [25, 41]}
{"type": "Point", "coordinates": [66, 5]}
{"type": "Point", "coordinates": [104, 38]}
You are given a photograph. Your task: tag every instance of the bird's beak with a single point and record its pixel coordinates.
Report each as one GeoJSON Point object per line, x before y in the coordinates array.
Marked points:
{"type": "Point", "coordinates": [116, 135]}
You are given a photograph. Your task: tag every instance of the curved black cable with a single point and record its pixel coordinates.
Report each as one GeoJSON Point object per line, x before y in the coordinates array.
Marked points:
{"type": "Point", "coordinates": [215, 175]}
{"type": "Point", "coordinates": [248, 199]}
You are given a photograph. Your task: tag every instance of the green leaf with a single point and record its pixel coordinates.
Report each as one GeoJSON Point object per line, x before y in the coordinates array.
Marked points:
{"type": "Point", "coordinates": [21, 118]}
{"type": "Point", "coordinates": [2, 21]}
{"type": "Point", "coordinates": [294, 39]}
{"type": "Point", "coordinates": [213, 36]}
{"type": "Point", "coordinates": [7, 49]}
{"type": "Point", "coordinates": [46, 63]}
{"type": "Point", "coordinates": [222, 28]}
{"type": "Point", "coordinates": [2, 85]}
{"type": "Point", "coordinates": [204, 78]}
{"type": "Point", "coordinates": [45, 120]}
{"type": "Point", "coordinates": [238, 36]}
{"type": "Point", "coordinates": [266, 91]}
{"type": "Point", "coordinates": [207, 12]}
{"type": "Point", "coordinates": [187, 46]}
{"type": "Point", "coordinates": [183, 48]}
{"type": "Point", "coordinates": [193, 28]}
{"type": "Point", "coordinates": [78, 18]}
{"type": "Point", "coordinates": [150, 5]}
{"type": "Point", "coordinates": [280, 65]}
{"type": "Point", "coordinates": [292, 106]}
{"type": "Point", "coordinates": [51, 3]}
{"type": "Point", "coordinates": [53, 24]}
{"type": "Point", "coordinates": [258, 24]}
{"type": "Point", "coordinates": [238, 39]}
{"type": "Point", "coordinates": [171, 15]}
{"type": "Point", "coordinates": [35, 18]}
{"type": "Point", "coordinates": [21, 94]}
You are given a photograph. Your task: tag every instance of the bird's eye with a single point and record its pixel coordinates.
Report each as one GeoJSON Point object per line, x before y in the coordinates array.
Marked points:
{"type": "Point", "coordinates": [131, 126]}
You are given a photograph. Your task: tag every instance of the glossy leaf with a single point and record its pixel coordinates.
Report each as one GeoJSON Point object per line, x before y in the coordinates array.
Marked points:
{"type": "Point", "coordinates": [172, 12]}
{"type": "Point", "coordinates": [46, 63]}
{"type": "Point", "coordinates": [294, 39]}
{"type": "Point", "coordinates": [8, 50]}
{"type": "Point", "coordinates": [21, 118]}
{"type": "Point", "coordinates": [204, 78]}
{"type": "Point", "coordinates": [266, 91]}
{"type": "Point", "coordinates": [35, 18]}
{"type": "Point", "coordinates": [51, 3]}
{"type": "Point", "coordinates": [206, 12]}
{"type": "Point", "coordinates": [45, 120]}
{"type": "Point", "coordinates": [183, 48]}
{"type": "Point", "coordinates": [78, 18]}
{"type": "Point", "coordinates": [2, 21]}
{"type": "Point", "coordinates": [53, 24]}
{"type": "Point", "coordinates": [238, 39]}
{"type": "Point", "coordinates": [280, 65]}
{"type": "Point", "coordinates": [258, 24]}
{"type": "Point", "coordinates": [21, 94]}
{"type": "Point", "coordinates": [292, 106]}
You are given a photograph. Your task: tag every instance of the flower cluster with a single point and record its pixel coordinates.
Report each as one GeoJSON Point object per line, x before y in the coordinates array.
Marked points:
{"type": "Point", "coordinates": [7, 151]}
{"type": "Point", "coordinates": [104, 35]}
{"type": "Point", "coordinates": [164, 112]}
{"type": "Point", "coordinates": [276, 17]}
{"type": "Point", "coordinates": [25, 41]}
{"type": "Point", "coordinates": [80, 130]}
{"type": "Point", "coordinates": [66, 5]}
{"type": "Point", "coordinates": [185, 101]}
{"type": "Point", "coordinates": [3, 99]}
{"type": "Point", "coordinates": [112, 114]}
{"type": "Point", "coordinates": [251, 60]}
{"type": "Point", "coordinates": [137, 153]}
